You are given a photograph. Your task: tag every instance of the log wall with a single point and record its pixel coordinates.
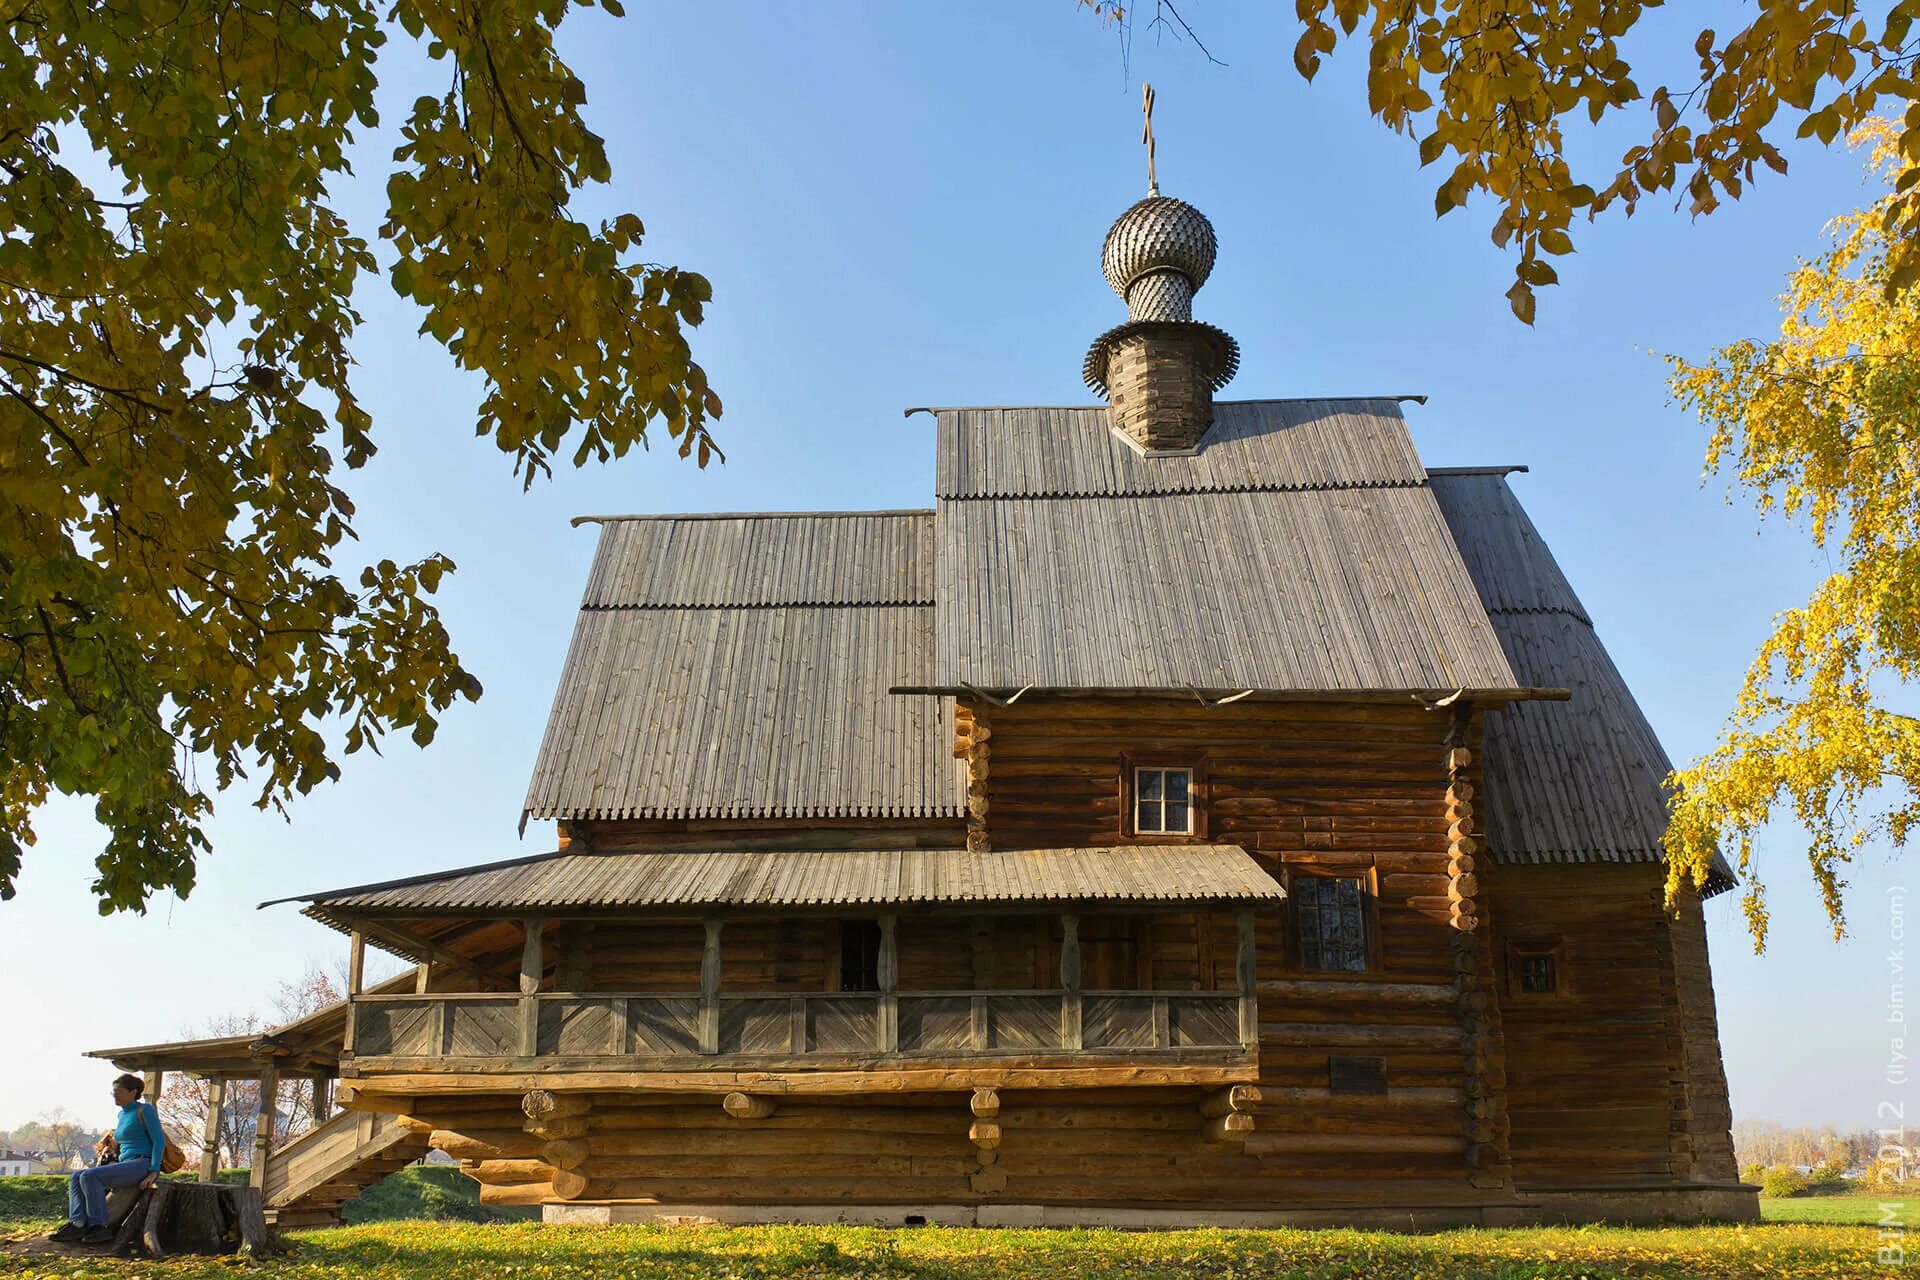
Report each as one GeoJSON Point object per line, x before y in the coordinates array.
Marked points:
{"type": "Point", "coordinates": [1617, 1079]}
{"type": "Point", "coordinates": [1305, 788]}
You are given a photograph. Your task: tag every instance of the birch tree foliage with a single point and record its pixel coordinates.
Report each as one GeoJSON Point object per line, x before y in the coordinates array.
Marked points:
{"type": "Point", "coordinates": [1488, 88]}
{"type": "Point", "coordinates": [1822, 424]}
{"type": "Point", "coordinates": [181, 609]}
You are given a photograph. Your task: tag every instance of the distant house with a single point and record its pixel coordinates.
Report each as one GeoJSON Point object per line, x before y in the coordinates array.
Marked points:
{"type": "Point", "coordinates": [16, 1164]}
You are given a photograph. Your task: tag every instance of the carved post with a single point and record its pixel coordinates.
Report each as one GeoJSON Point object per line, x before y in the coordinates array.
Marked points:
{"type": "Point", "coordinates": [531, 966]}
{"type": "Point", "coordinates": [267, 1119]}
{"type": "Point", "coordinates": [1247, 975]}
{"type": "Point", "coordinates": [322, 1099]}
{"type": "Point", "coordinates": [210, 1136]}
{"type": "Point", "coordinates": [1070, 983]}
{"type": "Point", "coordinates": [889, 1003]}
{"type": "Point", "coordinates": [710, 990]}
{"type": "Point", "coordinates": [356, 969]}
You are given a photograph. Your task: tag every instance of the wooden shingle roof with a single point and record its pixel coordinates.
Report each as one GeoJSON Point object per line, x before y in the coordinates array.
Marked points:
{"type": "Point", "coordinates": [794, 878]}
{"type": "Point", "coordinates": [1573, 781]}
{"type": "Point", "coordinates": [1296, 551]}
{"type": "Point", "coordinates": [740, 667]}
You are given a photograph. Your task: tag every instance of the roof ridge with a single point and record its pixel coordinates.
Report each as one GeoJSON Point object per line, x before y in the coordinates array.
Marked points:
{"type": "Point", "coordinates": [902, 603]}
{"type": "Point", "coordinates": [577, 521]}
{"type": "Point", "coordinates": [1102, 406]}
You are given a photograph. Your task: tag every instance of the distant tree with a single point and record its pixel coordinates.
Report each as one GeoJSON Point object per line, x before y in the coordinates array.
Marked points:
{"type": "Point", "coordinates": [179, 610]}
{"type": "Point", "coordinates": [1488, 88]}
{"type": "Point", "coordinates": [1822, 424]}
{"type": "Point", "coordinates": [186, 1099]}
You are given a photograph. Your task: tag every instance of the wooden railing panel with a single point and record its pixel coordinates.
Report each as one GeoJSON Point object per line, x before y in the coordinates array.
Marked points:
{"type": "Point", "coordinates": [935, 1024]}
{"type": "Point", "coordinates": [665, 1027]}
{"type": "Point", "coordinates": [655, 1025]}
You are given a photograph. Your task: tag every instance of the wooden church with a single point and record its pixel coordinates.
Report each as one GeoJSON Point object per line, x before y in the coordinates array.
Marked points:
{"type": "Point", "coordinates": [1204, 813]}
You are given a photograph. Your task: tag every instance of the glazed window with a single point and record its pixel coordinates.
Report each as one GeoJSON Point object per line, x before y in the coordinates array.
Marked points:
{"type": "Point", "coordinates": [1330, 922]}
{"type": "Point", "coordinates": [859, 955]}
{"type": "Point", "coordinates": [1163, 801]}
{"type": "Point", "coordinates": [1534, 968]}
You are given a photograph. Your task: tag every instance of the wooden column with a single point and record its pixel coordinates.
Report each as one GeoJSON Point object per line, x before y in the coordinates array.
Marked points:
{"type": "Point", "coordinates": [265, 1120]}
{"type": "Point", "coordinates": [422, 979]}
{"type": "Point", "coordinates": [356, 971]}
{"type": "Point", "coordinates": [1070, 983]}
{"type": "Point", "coordinates": [322, 1099]}
{"type": "Point", "coordinates": [889, 1003]}
{"type": "Point", "coordinates": [210, 1135]}
{"type": "Point", "coordinates": [1247, 976]}
{"type": "Point", "coordinates": [710, 990]}
{"type": "Point", "coordinates": [531, 966]}
{"type": "Point", "coordinates": [151, 1083]}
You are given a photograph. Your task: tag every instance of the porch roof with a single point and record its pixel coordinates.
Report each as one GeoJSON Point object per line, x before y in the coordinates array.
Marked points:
{"type": "Point", "coordinates": [670, 881]}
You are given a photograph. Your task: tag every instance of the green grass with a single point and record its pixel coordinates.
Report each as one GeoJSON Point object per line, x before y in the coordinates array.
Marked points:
{"type": "Point", "coordinates": [457, 1249]}
{"type": "Point", "coordinates": [1854, 1207]}
{"type": "Point", "coordinates": [437, 1192]}
{"type": "Point", "coordinates": [533, 1251]}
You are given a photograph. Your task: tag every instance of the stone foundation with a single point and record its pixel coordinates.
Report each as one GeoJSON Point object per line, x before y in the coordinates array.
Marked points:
{"type": "Point", "coordinates": [1640, 1206]}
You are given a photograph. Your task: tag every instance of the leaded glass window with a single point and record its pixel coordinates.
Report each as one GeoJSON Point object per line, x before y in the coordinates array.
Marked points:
{"type": "Point", "coordinates": [1163, 801]}
{"type": "Point", "coordinates": [1330, 919]}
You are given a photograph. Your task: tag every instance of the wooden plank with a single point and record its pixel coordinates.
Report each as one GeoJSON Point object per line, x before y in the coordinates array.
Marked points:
{"type": "Point", "coordinates": [1070, 1008]}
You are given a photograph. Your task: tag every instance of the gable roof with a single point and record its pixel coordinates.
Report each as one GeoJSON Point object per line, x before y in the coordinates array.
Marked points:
{"type": "Point", "coordinates": [740, 667]}
{"type": "Point", "coordinates": [1297, 550]}
{"type": "Point", "coordinates": [1573, 781]}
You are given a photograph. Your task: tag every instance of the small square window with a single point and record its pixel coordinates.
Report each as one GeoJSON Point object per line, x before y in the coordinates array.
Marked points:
{"type": "Point", "coordinates": [1163, 801]}
{"type": "Point", "coordinates": [1538, 975]}
{"type": "Point", "coordinates": [1535, 967]}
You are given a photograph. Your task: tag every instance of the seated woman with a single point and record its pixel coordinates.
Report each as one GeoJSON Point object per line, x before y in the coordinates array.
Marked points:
{"type": "Point", "coordinates": [140, 1144]}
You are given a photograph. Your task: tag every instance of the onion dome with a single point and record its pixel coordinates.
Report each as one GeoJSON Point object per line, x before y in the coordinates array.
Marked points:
{"type": "Point", "coordinates": [1156, 255]}
{"type": "Point", "coordinates": [1159, 370]}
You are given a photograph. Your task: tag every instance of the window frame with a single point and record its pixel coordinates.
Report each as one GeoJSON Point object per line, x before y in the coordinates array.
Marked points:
{"type": "Point", "coordinates": [1369, 879]}
{"type": "Point", "coordinates": [1195, 764]}
{"type": "Point", "coordinates": [1552, 946]}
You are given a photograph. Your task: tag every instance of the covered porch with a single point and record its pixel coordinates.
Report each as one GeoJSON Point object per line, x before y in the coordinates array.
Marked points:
{"type": "Point", "coordinates": [811, 969]}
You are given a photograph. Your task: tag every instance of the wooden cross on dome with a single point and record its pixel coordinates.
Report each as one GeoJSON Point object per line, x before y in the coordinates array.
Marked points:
{"type": "Point", "coordinates": [1146, 136]}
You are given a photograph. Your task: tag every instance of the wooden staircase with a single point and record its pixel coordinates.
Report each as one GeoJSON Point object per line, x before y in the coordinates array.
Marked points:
{"type": "Point", "coordinates": [308, 1180]}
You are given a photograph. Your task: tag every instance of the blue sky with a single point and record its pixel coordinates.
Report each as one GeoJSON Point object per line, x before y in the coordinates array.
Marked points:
{"type": "Point", "coordinates": [902, 205]}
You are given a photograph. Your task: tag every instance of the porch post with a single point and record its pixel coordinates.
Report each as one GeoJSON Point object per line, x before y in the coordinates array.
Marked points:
{"type": "Point", "coordinates": [1247, 971]}
{"type": "Point", "coordinates": [710, 989]}
{"type": "Point", "coordinates": [151, 1083]}
{"type": "Point", "coordinates": [889, 1004]}
{"type": "Point", "coordinates": [1070, 983]}
{"type": "Point", "coordinates": [265, 1119]}
{"type": "Point", "coordinates": [322, 1099]}
{"type": "Point", "coordinates": [530, 967]}
{"type": "Point", "coordinates": [356, 972]}
{"type": "Point", "coordinates": [210, 1135]}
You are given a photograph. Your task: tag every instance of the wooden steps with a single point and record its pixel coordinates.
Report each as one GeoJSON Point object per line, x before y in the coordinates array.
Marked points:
{"type": "Point", "coordinates": [309, 1181]}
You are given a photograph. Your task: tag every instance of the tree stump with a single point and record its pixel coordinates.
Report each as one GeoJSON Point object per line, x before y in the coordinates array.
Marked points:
{"type": "Point", "coordinates": [197, 1217]}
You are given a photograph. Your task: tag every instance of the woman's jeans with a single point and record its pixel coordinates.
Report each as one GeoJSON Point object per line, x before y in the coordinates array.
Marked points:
{"type": "Point", "coordinates": [87, 1189]}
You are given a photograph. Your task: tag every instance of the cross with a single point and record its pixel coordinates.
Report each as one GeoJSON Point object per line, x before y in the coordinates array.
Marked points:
{"type": "Point", "coordinates": [1146, 136]}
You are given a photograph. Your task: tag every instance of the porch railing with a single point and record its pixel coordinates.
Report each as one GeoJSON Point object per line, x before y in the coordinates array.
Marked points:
{"type": "Point", "coordinates": [668, 1025]}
